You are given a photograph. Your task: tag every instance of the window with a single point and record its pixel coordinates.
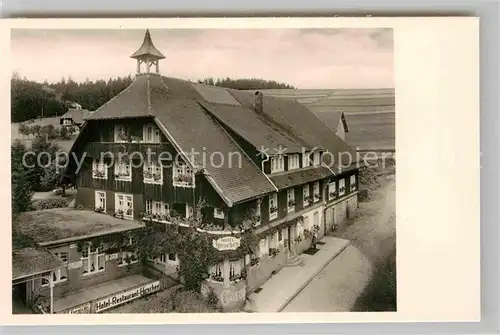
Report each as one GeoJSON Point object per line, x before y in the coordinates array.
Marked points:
{"type": "Point", "coordinates": [121, 133]}
{"type": "Point", "coordinates": [127, 257]}
{"type": "Point", "coordinates": [151, 134]}
{"type": "Point", "coordinates": [235, 269]}
{"type": "Point", "coordinates": [257, 211]}
{"type": "Point", "coordinates": [273, 206]}
{"type": "Point", "coordinates": [158, 208]}
{"type": "Point", "coordinates": [45, 281]}
{"type": "Point", "coordinates": [218, 213]}
{"type": "Point", "coordinates": [263, 247]}
{"type": "Point", "coordinates": [293, 162]}
{"type": "Point", "coordinates": [306, 222]}
{"type": "Point", "coordinates": [305, 195]}
{"type": "Point", "coordinates": [162, 259]}
{"type": "Point", "coordinates": [341, 187]}
{"type": "Point", "coordinates": [306, 159]}
{"type": "Point", "coordinates": [353, 183]}
{"type": "Point", "coordinates": [316, 193]}
{"type": "Point", "coordinates": [332, 194]}
{"type": "Point", "coordinates": [100, 201]}
{"type": "Point", "coordinates": [153, 173]}
{"type": "Point", "coordinates": [317, 158]}
{"type": "Point", "coordinates": [290, 199]}
{"type": "Point", "coordinates": [172, 257]}
{"type": "Point", "coordinates": [277, 163]}
{"type": "Point", "coordinates": [93, 259]}
{"type": "Point", "coordinates": [149, 207]}
{"type": "Point", "coordinates": [124, 205]}
{"type": "Point", "coordinates": [183, 175]}
{"type": "Point", "coordinates": [61, 275]}
{"type": "Point", "coordinates": [99, 169]}
{"type": "Point", "coordinates": [216, 273]}
{"type": "Point", "coordinates": [122, 171]}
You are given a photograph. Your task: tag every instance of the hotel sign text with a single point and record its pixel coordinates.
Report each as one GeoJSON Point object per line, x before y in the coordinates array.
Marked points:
{"type": "Point", "coordinates": [226, 243]}
{"type": "Point", "coordinates": [123, 297]}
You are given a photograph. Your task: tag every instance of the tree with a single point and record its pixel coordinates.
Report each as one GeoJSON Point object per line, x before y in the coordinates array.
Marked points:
{"type": "Point", "coordinates": [246, 84]}
{"type": "Point", "coordinates": [64, 132]}
{"type": "Point", "coordinates": [36, 130]}
{"type": "Point", "coordinates": [24, 129]}
{"type": "Point", "coordinates": [21, 187]}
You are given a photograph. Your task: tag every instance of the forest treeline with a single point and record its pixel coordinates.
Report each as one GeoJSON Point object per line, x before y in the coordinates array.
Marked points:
{"type": "Point", "coordinates": [30, 99]}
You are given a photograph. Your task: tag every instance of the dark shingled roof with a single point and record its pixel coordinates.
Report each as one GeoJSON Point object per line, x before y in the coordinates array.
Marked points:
{"type": "Point", "coordinates": [77, 115]}
{"type": "Point", "coordinates": [57, 225]}
{"type": "Point", "coordinates": [301, 176]}
{"type": "Point", "coordinates": [31, 261]}
{"type": "Point", "coordinates": [192, 115]}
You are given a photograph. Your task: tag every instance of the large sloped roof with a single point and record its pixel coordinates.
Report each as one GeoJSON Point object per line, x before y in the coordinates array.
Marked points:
{"type": "Point", "coordinates": [193, 115]}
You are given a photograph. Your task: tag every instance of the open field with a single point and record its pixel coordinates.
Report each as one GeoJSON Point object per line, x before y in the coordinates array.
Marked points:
{"type": "Point", "coordinates": [371, 131]}
{"type": "Point", "coordinates": [370, 113]}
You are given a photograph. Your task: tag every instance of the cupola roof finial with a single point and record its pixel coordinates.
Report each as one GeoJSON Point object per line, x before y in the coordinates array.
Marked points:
{"type": "Point", "coordinates": [147, 49]}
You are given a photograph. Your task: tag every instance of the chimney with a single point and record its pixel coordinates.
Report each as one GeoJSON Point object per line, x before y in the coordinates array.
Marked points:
{"type": "Point", "coordinates": [259, 103]}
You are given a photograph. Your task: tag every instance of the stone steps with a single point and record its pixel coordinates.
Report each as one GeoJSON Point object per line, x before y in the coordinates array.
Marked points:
{"type": "Point", "coordinates": [294, 260]}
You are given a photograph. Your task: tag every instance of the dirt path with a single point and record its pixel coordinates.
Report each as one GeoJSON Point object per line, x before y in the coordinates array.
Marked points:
{"type": "Point", "coordinates": [344, 281]}
{"type": "Point", "coordinates": [374, 232]}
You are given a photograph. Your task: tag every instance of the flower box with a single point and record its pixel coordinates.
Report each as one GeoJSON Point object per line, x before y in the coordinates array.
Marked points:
{"type": "Point", "coordinates": [99, 210]}
{"type": "Point", "coordinates": [254, 261]}
{"type": "Point", "coordinates": [156, 176]}
{"type": "Point", "coordinates": [316, 196]}
{"type": "Point", "coordinates": [183, 179]}
{"type": "Point", "coordinates": [217, 277]}
{"type": "Point", "coordinates": [129, 211]}
{"type": "Point", "coordinates": [333, 194]}
{"type": "Point", "coordinates": [98, 174]}
{"type": "Point", "coordinates": [119, 214]}
{"type": "Point", "coordinates": [291, 203]}
{"type": "Point", "coordinates": [122, 136]}
{"type": "Point", "coordinates": [273, 252]}
{"type": "Point", "coordinates": [273, 209]}
{"type": "Point", "coordinates": [122, 175]}
{"type": "Point", "coordinates": [342, 190]}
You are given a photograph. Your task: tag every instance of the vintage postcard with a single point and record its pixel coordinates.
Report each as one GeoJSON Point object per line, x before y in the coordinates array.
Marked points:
{"type": "Point", "coordinates": [246, 170]}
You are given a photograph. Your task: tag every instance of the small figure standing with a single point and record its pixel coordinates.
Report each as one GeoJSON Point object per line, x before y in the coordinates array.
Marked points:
{"type": "Point", "coordinates": [315, 239]}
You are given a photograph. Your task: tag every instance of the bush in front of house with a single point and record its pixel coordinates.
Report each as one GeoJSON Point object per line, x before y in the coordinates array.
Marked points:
{"type": "Point", "coordinates": [51, 203]}
{"type": "Point", "coordinates": [186, 301]}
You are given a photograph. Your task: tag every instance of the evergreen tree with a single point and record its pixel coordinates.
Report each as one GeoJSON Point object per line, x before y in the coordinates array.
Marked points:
{"type": "Point", "coordinates": [21, 189]}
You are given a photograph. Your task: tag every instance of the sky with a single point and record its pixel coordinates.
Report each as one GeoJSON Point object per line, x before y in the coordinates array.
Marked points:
{"type": "Point", "coordinates": [304, 58]}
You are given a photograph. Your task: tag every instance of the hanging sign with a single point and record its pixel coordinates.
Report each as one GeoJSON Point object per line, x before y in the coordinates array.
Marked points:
{"type": "Point", "coordinates": [226, 243]}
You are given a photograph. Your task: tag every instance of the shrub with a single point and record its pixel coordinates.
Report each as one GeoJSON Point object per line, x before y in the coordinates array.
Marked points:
{"type": "Point", "coordinates": [212, 300]}
{"type": "Point", "coordinates": [51, 203]}
{"type": "Point", "coordinates": [190, 302]}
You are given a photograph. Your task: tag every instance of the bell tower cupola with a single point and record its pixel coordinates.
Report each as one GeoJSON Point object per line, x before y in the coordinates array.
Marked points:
{"type": "Point", "coordinates": [148, 55]}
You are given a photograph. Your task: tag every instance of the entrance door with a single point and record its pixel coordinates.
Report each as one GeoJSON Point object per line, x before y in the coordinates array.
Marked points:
{"type": "Point", "coordinates": [19, 293]}
{"type": "Point", "coordinates": [325, 216]}
{"type": "Point", "coordinates": [289, 238]}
